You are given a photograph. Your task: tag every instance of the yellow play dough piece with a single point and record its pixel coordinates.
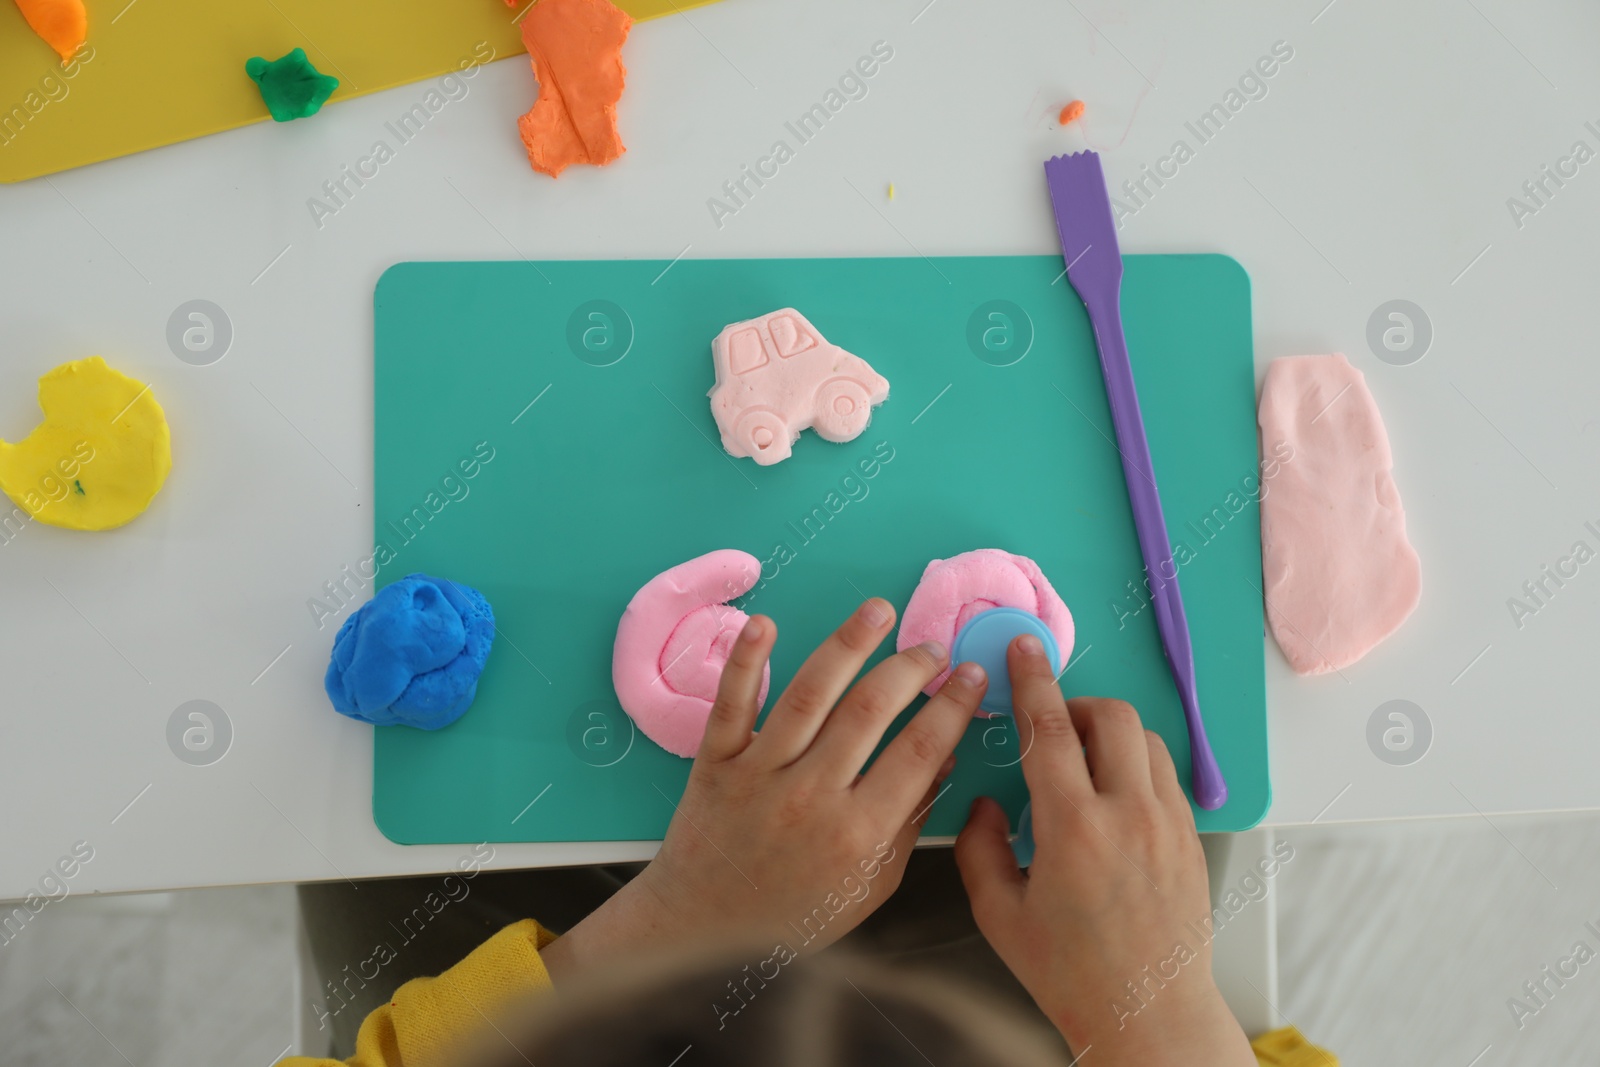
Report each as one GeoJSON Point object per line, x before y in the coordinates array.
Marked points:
{"type": "Point", "coordinates": [100, 455]}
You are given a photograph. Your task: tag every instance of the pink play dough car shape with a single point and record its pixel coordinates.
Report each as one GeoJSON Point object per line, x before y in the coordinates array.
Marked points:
{"type": "Point", "coordinates": [776, 375]}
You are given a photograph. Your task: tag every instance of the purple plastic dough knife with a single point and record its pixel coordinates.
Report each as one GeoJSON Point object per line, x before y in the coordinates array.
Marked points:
{"type": "Point", "coordinates": [1094, 267]}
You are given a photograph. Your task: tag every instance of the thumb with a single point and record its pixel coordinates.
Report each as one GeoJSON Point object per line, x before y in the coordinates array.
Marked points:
{"type": "Point", "coordinates": [988, 867]}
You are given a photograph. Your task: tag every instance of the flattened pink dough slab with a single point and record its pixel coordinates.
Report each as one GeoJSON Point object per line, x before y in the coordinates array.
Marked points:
{"type": "Point", "coordinates": [1340, 574]}
{"type": "Point", "coordinates": [776, 376]}
{"type": "Point", "coordinates": [673, 642]}
{"type": "Point", "coordinates": [953, 590]}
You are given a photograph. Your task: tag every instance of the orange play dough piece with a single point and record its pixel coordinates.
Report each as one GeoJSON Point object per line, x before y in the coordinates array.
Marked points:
{"type": "Point", "coordinates": [576, 49]}
{"type": "Point", "coordinates": [1071, 113]}
{"type": "Point", "coordinates": [62, 23]}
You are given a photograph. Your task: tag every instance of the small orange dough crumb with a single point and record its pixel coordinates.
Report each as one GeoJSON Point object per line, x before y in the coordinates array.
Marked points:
{"type": "Point", "coordinates": [576, 50]}
{"type": "Point", "coordinates": [1072, 112]}
{"type": "Point", "coordinates": [62, 23]}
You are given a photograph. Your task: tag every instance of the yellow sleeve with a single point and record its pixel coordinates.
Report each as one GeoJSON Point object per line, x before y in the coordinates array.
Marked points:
{"type": "Point", "coordinates": [1288, 1047]}
{"type": "Point", "coordinates": [428, 1017]}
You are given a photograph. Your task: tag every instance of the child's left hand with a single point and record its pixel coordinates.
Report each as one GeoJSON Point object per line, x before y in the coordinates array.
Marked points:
{"type": "Point", "coordinates": [781, 826]}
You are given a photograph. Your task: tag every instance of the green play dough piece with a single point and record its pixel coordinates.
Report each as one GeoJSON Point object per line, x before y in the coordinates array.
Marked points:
{"type": "Point", "coordinates": [290, 86]}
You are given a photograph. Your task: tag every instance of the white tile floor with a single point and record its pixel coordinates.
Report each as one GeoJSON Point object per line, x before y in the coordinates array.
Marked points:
{"type": "Point", "coordinates": [1402, 944]}
{"type": "Point", "coordinates": [200, 977]}
{"type": "Point", "coordinates": [1399, 944]}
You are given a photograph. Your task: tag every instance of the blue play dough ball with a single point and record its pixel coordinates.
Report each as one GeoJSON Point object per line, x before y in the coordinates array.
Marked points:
{"type": "Point", "coordinates": [411, 655]}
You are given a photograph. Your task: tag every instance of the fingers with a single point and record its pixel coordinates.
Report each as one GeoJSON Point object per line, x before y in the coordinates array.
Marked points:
{"type": "Point", "coordinates": [919, 818]}
{"type": "Point", "coordinates": [1052, 752]}
{"type": "Point", "coordinates": [733, 713]}
{"type": "Point", "coordinates": [855, 727]}
{"type": "Point", "coordinates": [1114, 739]}
{"type": "Point", "coordinates": [820, 682]}
{"type": "Point", "coordinates": [901, 774]}
{"type": "Point", "coordinates": [1164, 779]}
{"type": "Point", "coordinates": [988, 866]}
{"type": "Point", "coordinates": [911, 826]}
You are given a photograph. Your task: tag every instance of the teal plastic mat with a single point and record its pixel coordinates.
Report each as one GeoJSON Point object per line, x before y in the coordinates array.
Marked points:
{"type": "Point", "coordinates": [575, 395]}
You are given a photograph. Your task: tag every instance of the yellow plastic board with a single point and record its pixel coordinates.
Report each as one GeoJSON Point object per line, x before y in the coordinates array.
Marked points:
{"type": "Point", "coordinates": [155, 72]}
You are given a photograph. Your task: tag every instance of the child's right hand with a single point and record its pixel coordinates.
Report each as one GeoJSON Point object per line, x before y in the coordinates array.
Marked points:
{"type": "Point", "coordinates": [1099, 930]}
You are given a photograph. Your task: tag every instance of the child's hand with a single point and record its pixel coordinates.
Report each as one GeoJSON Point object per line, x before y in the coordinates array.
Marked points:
{"type": "Point", "coordinates": [779, 835]}
{"type": "Point", "coordinates": [1099, 930]}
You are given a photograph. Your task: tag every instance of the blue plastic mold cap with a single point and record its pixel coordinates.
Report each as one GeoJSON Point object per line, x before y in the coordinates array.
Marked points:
{"type": "Point", "coordinates": [984, 640]}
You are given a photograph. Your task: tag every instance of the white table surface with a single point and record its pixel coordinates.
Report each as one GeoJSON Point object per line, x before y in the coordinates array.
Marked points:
{"type": "Point", "coordinates": [1376, 167]}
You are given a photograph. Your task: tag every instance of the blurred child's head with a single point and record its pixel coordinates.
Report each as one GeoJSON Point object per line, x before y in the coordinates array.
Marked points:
{"type": "Point", "coordinates": [723, 1010]}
